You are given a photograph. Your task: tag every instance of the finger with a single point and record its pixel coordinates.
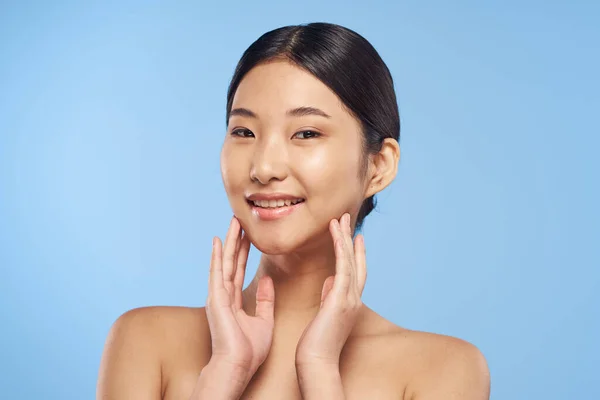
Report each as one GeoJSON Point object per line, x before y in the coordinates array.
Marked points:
{"type": "Point", "coordinates": [238, 244]}
{"type": "Point", "coordinates": [342, 270]}
{"type": "Point", "coordinates": [360, 255]}
{"type": "Point", "coordinates": [229, 253]}
{"type": "Point", "coordinates": [327, 286]}
{"type": "Point", "coordinates": [215, 278]}
{"type": "Point", "coordinates": [240, 269]}
{"type": "Point", "coordinates": [265, 299]}
{"type": "Point", "coordinates": [349, 245]}
{"type": "Point", "coordinates": [346, 230]}
{"type": "Point", "coordinates": [346, 234]}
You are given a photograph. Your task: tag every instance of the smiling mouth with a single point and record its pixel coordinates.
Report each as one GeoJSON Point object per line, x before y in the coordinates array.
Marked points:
{"type": "Point", "coordinates": [274, 204]}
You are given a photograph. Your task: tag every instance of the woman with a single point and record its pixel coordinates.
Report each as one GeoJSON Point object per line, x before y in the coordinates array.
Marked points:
{"type": "Point", "coordinates": [312, 136]}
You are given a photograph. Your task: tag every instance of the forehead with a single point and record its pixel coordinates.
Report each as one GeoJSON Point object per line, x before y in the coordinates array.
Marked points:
{"type": "Point", "coordinates": [278, 86]}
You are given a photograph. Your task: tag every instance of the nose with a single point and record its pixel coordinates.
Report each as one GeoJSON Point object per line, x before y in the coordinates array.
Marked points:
{"type": "Point", "coordinates": [269, 162]}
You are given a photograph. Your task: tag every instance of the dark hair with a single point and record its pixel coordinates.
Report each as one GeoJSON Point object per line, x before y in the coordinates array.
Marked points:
{"type": "Point", "coordinates": [344, 61]}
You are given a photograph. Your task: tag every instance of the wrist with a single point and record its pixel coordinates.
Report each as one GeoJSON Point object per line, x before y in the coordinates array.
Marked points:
{"type": "Point", "coordinates": [326, 364]}
{"type": "Point", "coordinates": [327, 369]}
{"type": "Point", "coordinates": [222, 366]}
{"type": "Point", "coordinates": [320, 380]}
{"type": "Point", "coordinates": [221, 380]}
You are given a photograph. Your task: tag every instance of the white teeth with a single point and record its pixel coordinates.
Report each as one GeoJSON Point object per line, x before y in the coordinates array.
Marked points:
{"type": "Point", "coordinates": [275, 203]}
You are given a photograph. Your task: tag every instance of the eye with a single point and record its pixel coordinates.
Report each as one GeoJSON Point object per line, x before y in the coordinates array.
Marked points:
{"type": "Point", "coordinates": [242, 132]}
{"type": "Point", "coordinates": [307, 134]}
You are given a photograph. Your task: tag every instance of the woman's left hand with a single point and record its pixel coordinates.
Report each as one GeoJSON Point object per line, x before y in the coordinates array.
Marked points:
{"type": "Point", "coordinates": [323, 339]}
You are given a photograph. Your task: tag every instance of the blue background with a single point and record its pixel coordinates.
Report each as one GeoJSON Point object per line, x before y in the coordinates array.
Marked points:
{"type": "Point", "coordinates": [111, 122]}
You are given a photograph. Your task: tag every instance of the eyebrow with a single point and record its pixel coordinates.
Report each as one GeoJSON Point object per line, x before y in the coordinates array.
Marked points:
{"type": "Point", "coordinates": [295, 112]}
{"type": "Point", "coordinates": [242, 112]}
{"type": "Point", "coordinates": [302, 111]}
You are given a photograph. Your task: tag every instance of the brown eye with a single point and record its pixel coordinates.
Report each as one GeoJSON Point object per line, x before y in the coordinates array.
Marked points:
{"type": "Point", "coordinates": [307, 135]}
{"type": "Point", "coordinates": [242, 132]}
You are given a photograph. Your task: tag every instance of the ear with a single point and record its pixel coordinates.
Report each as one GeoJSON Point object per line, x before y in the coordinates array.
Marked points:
{"type": "Point", "coordinates": [383, 167]}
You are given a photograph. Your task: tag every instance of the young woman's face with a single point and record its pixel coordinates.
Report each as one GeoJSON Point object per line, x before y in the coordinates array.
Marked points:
{"type": "Point", "coordinates": [290, 139]}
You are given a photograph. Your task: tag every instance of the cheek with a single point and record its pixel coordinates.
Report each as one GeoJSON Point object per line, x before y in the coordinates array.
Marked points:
{"type": "Point", "coordinates": [232, 170]}
{"type": "Point", "coordinates": [331, 176]}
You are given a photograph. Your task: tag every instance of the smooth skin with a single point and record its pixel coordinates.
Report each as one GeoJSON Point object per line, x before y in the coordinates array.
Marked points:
{"type": "Point", "coordinates": [299, 329]}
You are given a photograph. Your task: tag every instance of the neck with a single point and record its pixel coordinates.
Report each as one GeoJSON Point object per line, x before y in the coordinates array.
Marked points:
{"type": "Point", "coordinates": [298, 280]}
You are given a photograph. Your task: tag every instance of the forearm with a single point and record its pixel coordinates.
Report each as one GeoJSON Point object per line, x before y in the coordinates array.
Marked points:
{"type": "Point", "coordinates": [219, 381]}
{"type": "Point", "coordinates": [320, 382]}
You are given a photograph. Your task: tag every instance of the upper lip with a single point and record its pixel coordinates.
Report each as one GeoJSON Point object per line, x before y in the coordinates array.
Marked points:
{"type": "Point", "coordinates": [271, 196]}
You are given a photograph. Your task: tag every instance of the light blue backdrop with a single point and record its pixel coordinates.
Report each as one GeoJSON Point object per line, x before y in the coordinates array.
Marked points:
{"type": "Point", "coordinates": [111, 122]}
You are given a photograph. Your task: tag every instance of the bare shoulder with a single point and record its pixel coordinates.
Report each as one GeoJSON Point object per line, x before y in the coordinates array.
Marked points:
{"type": "Point", "coordinates": [436, 366]}
{"type": "Point", "coordinates": [429, 365]}
{"type": "Point", "coordinates": [443, 367]}
{"type": "Point", "coordinates": [158, 325]}
{"type": "Point", "coordinates": [135, 354]}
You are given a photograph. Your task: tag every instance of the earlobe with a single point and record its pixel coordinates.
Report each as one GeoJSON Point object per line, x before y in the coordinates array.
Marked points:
{"type": "Point", "coordinates": [384, 166]}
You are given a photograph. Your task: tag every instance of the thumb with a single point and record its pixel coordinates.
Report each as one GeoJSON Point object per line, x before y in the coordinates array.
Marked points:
{"type": "Point", "coordinates": [265, 299]}
{"type": "Point", "coordinates": [327, 285]}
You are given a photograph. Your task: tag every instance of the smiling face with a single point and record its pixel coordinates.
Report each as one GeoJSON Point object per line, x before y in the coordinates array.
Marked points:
{"type": "Point", "coordinates": [289, 139]}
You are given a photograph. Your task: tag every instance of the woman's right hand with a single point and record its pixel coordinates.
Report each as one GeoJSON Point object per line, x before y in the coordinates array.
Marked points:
{"type": "Point", "coordinates": [240, 342]}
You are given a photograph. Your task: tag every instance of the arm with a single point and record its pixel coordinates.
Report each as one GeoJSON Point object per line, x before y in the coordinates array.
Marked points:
{"type": "Point", "coordinates": [130, 366]}
{"type": "Point", "coordinates": [320, 382]}
{"type": "Point", "coordinates": [220, 381]}
{"type": "Point", "coordinates": [319, 349]}
{"type": "Point", "coordinates": [240, 342]}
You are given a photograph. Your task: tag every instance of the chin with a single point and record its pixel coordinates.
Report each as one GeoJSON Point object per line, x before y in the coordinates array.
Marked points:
{"type": "Point", "coordinates": [275, 242]}
{"type": "Point", "coordinates": [273, 249]}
